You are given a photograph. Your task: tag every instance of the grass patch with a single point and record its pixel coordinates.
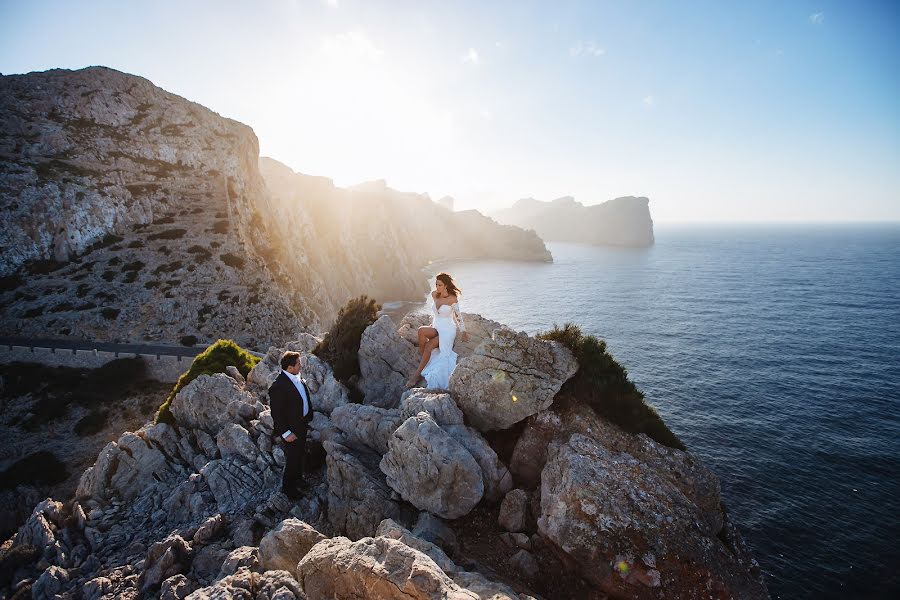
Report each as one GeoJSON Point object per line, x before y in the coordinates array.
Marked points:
{"type": "Point", "coordinates": [91, 423]}
{"type": "Point", "coordinates": [603, 384]}
{"type": "Point", "coordinates": [235, 262]}
{"type": "Point", "coordinates": [340, 346]}
{"type": "Point", "coordinates": [209, 362]}
{"type": "Point", "coordinates": [168, 234]}
{"type": "Point", "coordinates": [110, 314]}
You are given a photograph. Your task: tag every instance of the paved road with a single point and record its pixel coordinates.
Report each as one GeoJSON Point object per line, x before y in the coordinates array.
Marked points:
{"type": "Point", "coordinates": [106, 347]}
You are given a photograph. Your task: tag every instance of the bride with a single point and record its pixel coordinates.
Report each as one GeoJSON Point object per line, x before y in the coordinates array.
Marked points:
{"type": "Point", "coordinates": [436, 341]}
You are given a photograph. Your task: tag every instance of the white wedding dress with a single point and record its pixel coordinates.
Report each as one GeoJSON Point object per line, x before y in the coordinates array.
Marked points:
{"type": "Point", "coordinates": [445, 320]}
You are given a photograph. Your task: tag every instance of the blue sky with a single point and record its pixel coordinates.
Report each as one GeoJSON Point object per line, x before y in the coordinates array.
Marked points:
{"type": "Point", "coordinates": [717, 111]}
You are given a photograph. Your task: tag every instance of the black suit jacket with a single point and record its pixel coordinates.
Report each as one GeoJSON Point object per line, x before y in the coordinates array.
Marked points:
{"type": "Point", "coordinates": [287, 406]}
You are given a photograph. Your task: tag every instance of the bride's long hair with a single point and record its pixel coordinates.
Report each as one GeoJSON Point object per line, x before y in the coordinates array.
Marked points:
{"type": "Point", "coordinates": [448, 282]}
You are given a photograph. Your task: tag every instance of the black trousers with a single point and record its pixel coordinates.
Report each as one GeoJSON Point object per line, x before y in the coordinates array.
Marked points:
{"type": "Point", "coordinates": [294, 461]}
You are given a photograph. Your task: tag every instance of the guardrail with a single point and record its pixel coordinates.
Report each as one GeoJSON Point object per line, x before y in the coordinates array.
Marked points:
{"type": "Point", "coordinates": [162, 367]}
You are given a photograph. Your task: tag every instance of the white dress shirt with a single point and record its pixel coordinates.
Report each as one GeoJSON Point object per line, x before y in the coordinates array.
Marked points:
{"type": "Point", "coordinates": [298, 383]}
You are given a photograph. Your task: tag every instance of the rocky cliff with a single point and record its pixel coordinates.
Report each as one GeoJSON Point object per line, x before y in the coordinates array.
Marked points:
{"type": "Point", "coordinates": [620, 222]}
{"type": "Point", "coordinates": [134, 214]}
{"type": "Point", "coordinates": [490, 489]}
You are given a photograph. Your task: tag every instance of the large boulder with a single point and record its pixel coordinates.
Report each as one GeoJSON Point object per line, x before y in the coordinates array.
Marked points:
{"type": "Point", "coordinates": [385, 362]}
{"type": "Point", "coordinates": [497, 478]}
{"type": "Point", "coordinates": [210, 402]}
{"type": "Point", "coordinates": [381, 567]}
{"type": "Point", "coordinates": [365, 425]}
{"type": "Point", "coordinates": [509, 378]}
{"type": "Point", "coordinates": [440, 405]}
{"type": "Point", "coordinates": [249, 585]}
{"type": "Point", "coordinates": [632, 532]}
{"type": "Point", "coordinates": [391, 529]}
{"type": "Point", "coordinates": [164, 559]}
{"type": "Point", "coordinates": [431, 470]}
{"type": "Point", "coordinates": [283, 547]}
{"type": "Point", "coordinates": [358, 496]}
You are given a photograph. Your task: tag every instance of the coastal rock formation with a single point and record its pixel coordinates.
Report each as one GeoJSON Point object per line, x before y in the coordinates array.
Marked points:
{"type": "Point", "coordinates": [194, 510]}
{"type": "Point", "coordinates": [509, 378]}
{"type": "Point", "coordinates": [134, 214]}
{"type": "Point", "coordinates": [623, 221]}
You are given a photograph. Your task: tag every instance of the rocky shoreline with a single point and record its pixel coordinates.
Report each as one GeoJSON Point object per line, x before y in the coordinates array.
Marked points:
{"type": "Point", "coordinates": [491, 489]}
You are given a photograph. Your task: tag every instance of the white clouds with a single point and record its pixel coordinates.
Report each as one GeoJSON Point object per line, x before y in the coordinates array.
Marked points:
{"type": "Point", "coordinates": [817, 18]}
{"type": "Point", "coordinates": [332, 3]}
{"type": "Point", "coordinates": [649, 101]}
{"type": "Point", "coordinates": [352, 46]}
{"type": "Point", "coordinates": [586, 49]}
{"type": "Point", "coordinates": [471, 56]}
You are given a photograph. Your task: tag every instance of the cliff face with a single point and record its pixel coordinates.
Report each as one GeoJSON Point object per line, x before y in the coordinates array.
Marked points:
{"type": "Point", "coordinates": [134, 214]}
{"type": "Point", "coordinates": [375, 240]}
{"type": "Point", "coordinates": [623, 221]}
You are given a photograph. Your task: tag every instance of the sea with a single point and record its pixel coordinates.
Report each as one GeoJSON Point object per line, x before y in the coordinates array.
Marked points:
{"type": "Point", "coordinates": [773, 352]}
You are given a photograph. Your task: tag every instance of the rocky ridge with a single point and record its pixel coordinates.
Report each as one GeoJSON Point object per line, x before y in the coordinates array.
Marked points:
{"type": "Point", "coordinates": [579, 508]}
{"type": "Point", "coordinates": [622, 221]}
{"type": "Point", "coordinates": [134, 214]}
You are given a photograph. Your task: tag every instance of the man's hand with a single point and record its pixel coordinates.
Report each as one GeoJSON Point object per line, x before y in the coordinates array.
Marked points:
{"type": "Point", "coordinates": [291, 438]}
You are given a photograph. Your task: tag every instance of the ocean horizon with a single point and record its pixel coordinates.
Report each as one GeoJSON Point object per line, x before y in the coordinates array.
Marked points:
{"type": "Point", "coordinates": [772, 351]}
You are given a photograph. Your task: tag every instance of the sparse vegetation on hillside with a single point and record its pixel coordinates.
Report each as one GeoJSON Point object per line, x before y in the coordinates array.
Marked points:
{"type": "Point", "coordinates": [603, 384]}
{"type": "Point", "coordinates": [212, 360]}
{"type": "Point", "coordinates": [340, 345]}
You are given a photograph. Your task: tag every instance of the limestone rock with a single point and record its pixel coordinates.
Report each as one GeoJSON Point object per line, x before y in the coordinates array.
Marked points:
{"type": "Point", "coordinates": [283, 547]}
{"type": "Point", "coordinates": [431, 470]}
{"type": "Point", "coordinates": [439, 405]}
{"type": "Point", "coordinates": [391, 529]}
{"type": "Point", "coordinates": [380, 567]}
{"type": "Point", "coordinates": [235, 374]}
{"type": "Point", "coordinates": [327, 392]}
{"type": "Point", "coordinates": [234, 440]}
{"type": "Point", "coordinates": [176, 587]}
{"type": "Point", "coordinates": [370, 426]}
{"type": "Point", "coordinates": [484, 588]}
{"type": "Point", "coordinates": [433, 529]}
{"type": "Point", "coordinates": [241, 557]}
{"type": "Point", "coordinates": [246, 584]}
{"type": "Point", "coordinates": [51, 583]}
{"type": "Point", "coordinates": [497, 478]}
{"type": "Point", "coordinates": [514, 511]}
{"type": "Point", "coordinates": [358, 496]}
{"type": "Point", "coordinates": [164, 559]}
{"type": "Point", "coordinates": [209, 529]}
{"type": "Point", "coordinates": [385, 363]}
{"type": "Point", "coordinates": [210, 402]}
{"type": "Point", "coordinates": [509, 378]}
{"type": "Point", "coordinates": [524, 562]}
{"type": "Point", "coordinates": [630, 530]}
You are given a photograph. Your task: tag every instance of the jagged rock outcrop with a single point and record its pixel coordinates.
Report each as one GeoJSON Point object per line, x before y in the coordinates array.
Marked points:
{"type": "Point", "coordinates": [135, 214]}
{"type": "Point", "coordinates": [379, 567]}
{"type": "Point", "coordinates": [431, 470]}
{"type": "Point", "coordinates": [193, 509]}
{"type": "Point", "coordinates": [509, 378]}
{"type": "Point", "coordinates": [623, 221]}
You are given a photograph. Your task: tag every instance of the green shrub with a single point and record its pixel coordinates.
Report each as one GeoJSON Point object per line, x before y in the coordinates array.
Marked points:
{"type": "Point", "coordinates": [168, 234]}
{"type": "Point", "coordinates": [603, 384]}
{"type": "Point", "coordinates": [39, 467]}
{"type": "Point", "coordinates": [91, 423]}
{"type": "Point", "coordinates": [212, 360]}
{"type": "Point", "coordinates": [235, 262]}
{"type": "Point", "coordinates": [340, 345]}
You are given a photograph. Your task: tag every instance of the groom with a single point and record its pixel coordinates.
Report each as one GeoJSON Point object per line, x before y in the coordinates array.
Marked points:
{"type": "Point", "coordinates": [291, 411]}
